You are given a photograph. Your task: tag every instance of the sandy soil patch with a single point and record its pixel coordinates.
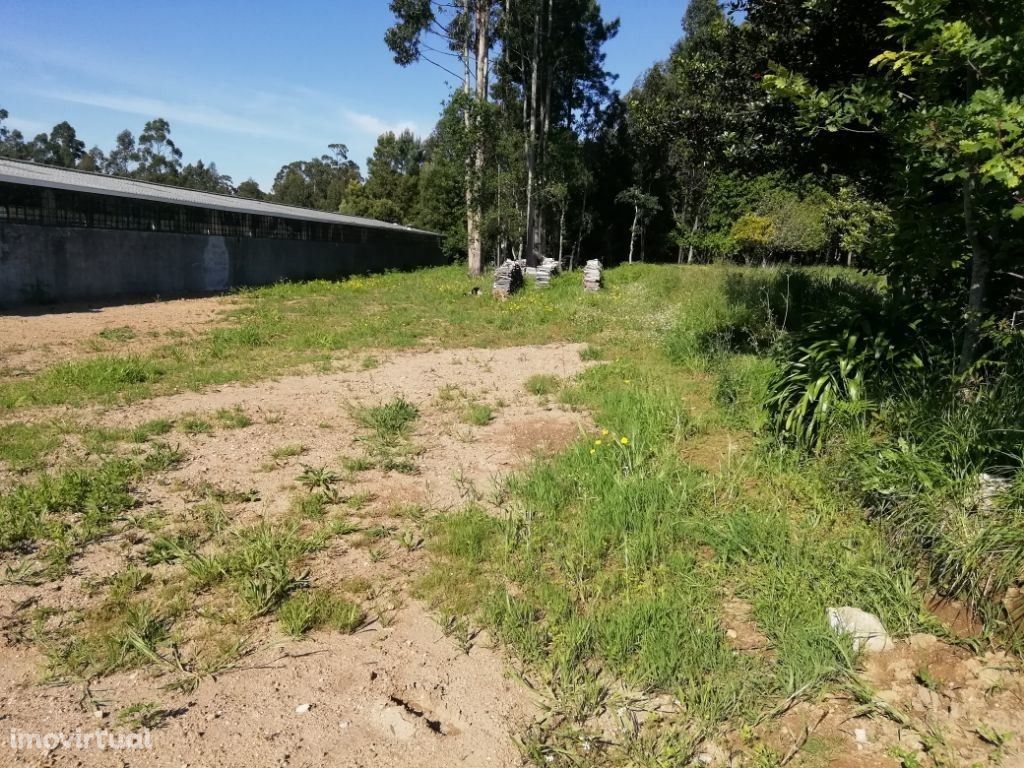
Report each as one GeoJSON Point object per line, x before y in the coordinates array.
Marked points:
{"type": "Point", "coordinates": [35, 337]}
{"type": "Point", "coordinates": [397, 692]}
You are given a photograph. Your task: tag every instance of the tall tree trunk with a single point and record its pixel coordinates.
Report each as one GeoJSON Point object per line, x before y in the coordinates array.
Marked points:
{"type": "Point", "coordinates": [529, 245]}
{"type": "Point", "coordinates": [561, 235]}
{"type": "Point", "coordinates": [471, 222]}
{"type": "Point", "coordinates": [981, 266]}
{"type": "Point", "coordinates": [632, 232]}
{"type": "Point", "coordinates": [693, 233]}
{"type": "Point", "coordinates": [475, 204]}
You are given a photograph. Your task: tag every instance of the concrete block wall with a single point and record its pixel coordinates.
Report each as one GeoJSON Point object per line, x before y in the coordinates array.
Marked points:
{"type": "Point", "coordinates": [63, 264]}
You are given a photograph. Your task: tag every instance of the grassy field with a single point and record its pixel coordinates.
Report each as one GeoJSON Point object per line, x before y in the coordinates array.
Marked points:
{"type": "Point", "coordinates": [616, 569]}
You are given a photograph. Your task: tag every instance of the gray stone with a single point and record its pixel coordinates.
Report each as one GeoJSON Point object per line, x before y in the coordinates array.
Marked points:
{"type": "Point", "coordinates": [864, 628]}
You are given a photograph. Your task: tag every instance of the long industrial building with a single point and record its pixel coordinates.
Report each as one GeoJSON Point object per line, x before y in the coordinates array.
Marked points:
{"type": "Point", "coordinates": [70, 235]}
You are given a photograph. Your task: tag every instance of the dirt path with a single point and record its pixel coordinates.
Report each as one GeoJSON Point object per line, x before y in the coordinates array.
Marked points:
{"type": "Point", "coordinates": [398, 692]}
{"type": "Point", "coordinates": [32, 338]}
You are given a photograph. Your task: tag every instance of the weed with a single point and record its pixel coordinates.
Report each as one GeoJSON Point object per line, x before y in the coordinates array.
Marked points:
{"type": "Point", "coordinates": [122, 333]}
{"type": "Point", "coordinates": [169, 549]}
{"type": "Point", "coordinates": [23, 446]}
{"type": "Point", "coordinates": [310, 505]}
{"type": "Point", "coordinates": [312, 609]}
{"type": "Point", "coordinates": [233, 418]}
{"type": "Point", "coordinates": [195, 425]}
{"type": "Point", "coordinates": [590, 352]}
{"type": "Point", "coordinates": [359, 500]}
{"type": "Point", "coordinates": [69, 508]}
{"type": "Point", "coordinates": [141, 715]}
{"type": "Point", "coordinates": [162, 457]}
{"type": "Point", "coordinates": [389, 422]}
{"type": "Point", "coordinates": [387, 444]}
{"type": "Point", "coordinates": [478, 414]}
{"type": "Point", "coordinates": [149, 430]}
{"type": "Point", "coordinates": [543, 384]}
{"type": "Point", "coordinates": [356, 463]}
{"type": "Point", "coordinates": [287, 451]}
{"type": "Point", "coordinates": [317, 478]}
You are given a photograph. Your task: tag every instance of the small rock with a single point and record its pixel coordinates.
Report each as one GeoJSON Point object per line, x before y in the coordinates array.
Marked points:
{"type": "Point", "coordinates": [731, 634]}
{"type": "Point", "coordinates": [712, 754]}
{"type": "Point", "coordinates": [99, 714]}
{"type": "Point", "coordinates": [865, 628]}
{"type": "Point", "coordinates": [889, 696]}
{"type": "Point", "coordinates": [303, 709]}
{"type": "Point", "coordinates": [860, 735]}
{"type": "Point", "coordinates": [990, 678]}
{"type": "Point", "coordinates": [922, 641]}
{"type": "Point", "coordinates": [344, 724]}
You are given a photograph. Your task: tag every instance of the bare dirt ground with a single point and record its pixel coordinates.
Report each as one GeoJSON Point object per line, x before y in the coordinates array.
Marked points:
{"type": "Point", "coordinates": [403, 690]}
{"type": "Point", "coordinates": [35, 337]}
{"type": "Point", "coordinates": [396, 692]}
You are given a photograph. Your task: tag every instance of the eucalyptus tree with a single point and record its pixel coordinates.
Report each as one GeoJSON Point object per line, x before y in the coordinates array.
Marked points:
{"type": "Point", "coordinates": [158, 157]}
{"type": "Point", "coordinates": [463, 29]}
{"type": "Point", "coordinates": [549, 86]}
{"type": "Point", "coordinates": [392, 180]}
{"type": "Point", "coordinates": [12, 141]}
{"type": "Point", "coordinates": [319, 183]}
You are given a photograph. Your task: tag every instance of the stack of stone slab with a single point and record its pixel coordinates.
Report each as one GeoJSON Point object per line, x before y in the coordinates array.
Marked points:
{"type": "Point", "coordinates": [508, 278]}
{"type": "Point", "coordinates": [592, 275]}
{"type": "Point", "coordinates": [544, 271]}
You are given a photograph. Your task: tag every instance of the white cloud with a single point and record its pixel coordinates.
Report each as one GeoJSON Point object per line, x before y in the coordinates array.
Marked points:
{"type": "Point", "coordinates": [374, 126]}
{"type": "Point", "coordinates": [195, 114]}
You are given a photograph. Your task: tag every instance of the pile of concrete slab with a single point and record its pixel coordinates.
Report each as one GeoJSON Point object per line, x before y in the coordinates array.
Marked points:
{"type": "Point", "coordinates": [542, 274]}
{"type": "Point", "coordinates": [592, 275]}
{"type": "Point", "coordinates": [508, 278]}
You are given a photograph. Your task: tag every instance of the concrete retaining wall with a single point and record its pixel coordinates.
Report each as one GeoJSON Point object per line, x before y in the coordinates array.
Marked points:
{"type": "Point", "coordinates": [55, 264]}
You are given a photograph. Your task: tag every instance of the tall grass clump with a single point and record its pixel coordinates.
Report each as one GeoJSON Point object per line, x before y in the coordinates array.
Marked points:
{"type": "Point", "coordinates": [932, 452]}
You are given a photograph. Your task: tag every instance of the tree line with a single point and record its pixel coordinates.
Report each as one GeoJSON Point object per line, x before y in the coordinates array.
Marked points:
{"type": "Point", "coordinates": [883, 135]}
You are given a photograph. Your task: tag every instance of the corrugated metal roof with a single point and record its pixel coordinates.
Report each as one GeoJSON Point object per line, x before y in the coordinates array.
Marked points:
{"type": "Point", "coordinates": [35, 174]}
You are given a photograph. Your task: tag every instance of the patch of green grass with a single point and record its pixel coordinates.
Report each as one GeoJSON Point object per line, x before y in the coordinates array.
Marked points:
{"type": "Point", "coordinates": [590, 352]}
{"type": "Point", "coordinates": [387, 442]}
{"type": "Point", "coordinates": [356, 463]}
{"type": "Point", "coordinates": [233, 418]}
{"type": "Point", "coordinates": [169, 549]}
{"type": "Point", "coordinates": [390, 421]}
{"type": "Point", "coordinates": [161, 457]}
{"type": "Point", "coordinates": [310, 505]}
{"type": "Point", "coordinates": [288, 451]}
{"type": "Point", "coordinates": [543, 384]}
{"type": "Point", "coordinates": [478, 414]}
{"type": "Point", "coordinates": [616, 554]}
{"type": "Point", "coordinates": [24, 446]}
{"type": "Point", "coordinates": [313, 609]}
{"type": "Point", "coordinates": [195, 425]}
{"type": "Point", "coordinates": [66, 509]}
{"type": "Point", "coordinates": [115, 638]}
{"type": "Point", "coordinates": [98, 379]}
{"type": "Point", "coordinates": [150, 429]}
{"type": "Point", "coordinates": [121, 333]}
{"type": "Point", "coordinates": [258, 565]}
{"type": "Point", "coordinates": [281, 327]}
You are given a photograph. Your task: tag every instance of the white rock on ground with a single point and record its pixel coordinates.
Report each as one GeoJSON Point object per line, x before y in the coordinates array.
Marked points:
{"type": "Point", "coordinates": [865, 628]}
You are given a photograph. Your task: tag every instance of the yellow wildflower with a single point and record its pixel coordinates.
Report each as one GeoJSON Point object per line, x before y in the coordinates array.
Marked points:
{"type": "Point", "coordinates": [604, 432]}
{"type": "Point", "coordinates": [598, 442]}
{"type": "Point", "coordinates": [624, 440]}
{"type": "Point", "coordinates": [593, 451]}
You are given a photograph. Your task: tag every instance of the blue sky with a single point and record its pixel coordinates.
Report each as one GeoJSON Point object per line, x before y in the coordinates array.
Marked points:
{"type": "Point", "coordinates": [250, 85]}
